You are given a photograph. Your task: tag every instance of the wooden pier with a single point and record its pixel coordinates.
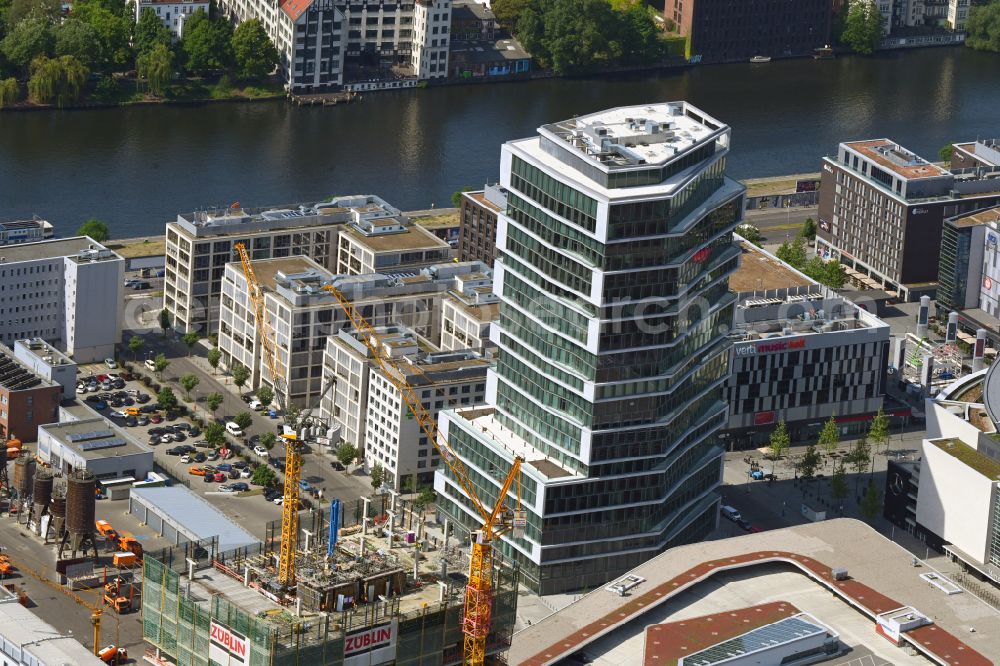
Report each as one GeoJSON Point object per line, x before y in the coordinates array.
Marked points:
{"type": "Point", "coordinates": [325, 99]}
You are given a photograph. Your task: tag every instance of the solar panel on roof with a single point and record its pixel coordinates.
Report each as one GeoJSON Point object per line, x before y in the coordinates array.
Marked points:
{"type": "Point", "coordinates": [84, 436]}
{"type": "Point", "coordinates": [102, 444]}
{"type": "Point", "coordinates": [780, 632]}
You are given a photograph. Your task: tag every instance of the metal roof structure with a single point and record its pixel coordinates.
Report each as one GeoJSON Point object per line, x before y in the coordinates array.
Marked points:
{"type": "Point", "coordinates": [763, 638]}
{"type": "Point", "coordinates": [192, 516]}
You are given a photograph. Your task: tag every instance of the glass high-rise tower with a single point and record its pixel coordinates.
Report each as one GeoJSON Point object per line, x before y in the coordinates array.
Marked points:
{"type": "Point", "coordinates": [614, 256]}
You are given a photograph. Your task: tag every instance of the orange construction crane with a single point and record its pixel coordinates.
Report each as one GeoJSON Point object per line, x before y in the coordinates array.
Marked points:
{"type": "Point", "coordinates": [293, 454]}
{"type": "Point", "coordinates": [95, 610]}
{"type": "Point", "coordinates": [495, 522]}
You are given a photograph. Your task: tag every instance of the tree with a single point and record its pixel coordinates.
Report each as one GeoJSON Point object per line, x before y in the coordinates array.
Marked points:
{"type": "Point", "coordinates": [863, 27]}
{"type": "Point", "coordinates": [19, 10]}
{"type": "Point", "coordinates": [191, 339]}
{"type": "Point", "coordinates": [267, 440]}
{"type": "Point", "coordinates": [166, 398]}
{"type": "Point", "coordinates": [871, 503]}
{"type": "Point", "coordinates": [188, 382]}
{"type": "Point", "coordinates": [263, 476]}
{"type": "Point", "coordinates": [426, 496]}
{"type": "Point", "coordinates": [346, 453]}
{"type": "Point", "coordinates": [150, 31]}
{"type": "Point", "coordinates": [160, 363]}
{"type": "Point", "coordinates": [215, 434]}
{"type": "Point", "coordinates": [859, 458]}
{"type": "Point", "coordinates": [243, 420]}
{"type": "Point", "coordinates": [878, 432]}
{"type": "Point", "coordinates": [95, 229]}
{"type": "Point", "coordinates": [377, 476]}
{"type": "Point", "coordinates": [265, 394]}
{"type": "Point", "coordinates": [945, 152]}
{"type": "Point", "coordinates": [135, 343]}
{"type": "Point", "coordinates": [983, 27]}
{"type": "Point", "coordinates": [207, 43]}
{"type": "Point", "coordinates": [838, 485]}
{"type": "Point", "coordinates": [253, 52]}
{"type": "Point", "coordinates": [214, 356]}
{"type": "Point", "coordinates": [58, 80]}
{"type": "Point", "coordinates": [508, 11]}
{"type": "Point", "coordinates": [156, 66]}
{"type": "Point", "coordinates": [213, 401]}
{"type": "Point", "coordinates": [779, 442]}
{"type": "Point", "coordinates": [751, 233]}
{"type": "Point", "coordinates": [809, 463]}
{"type": "Point", "coordinates": [808, 230]}
{"type": "Point", "coordinates": [76, 38]}
{"type": "Point", "coordinates": [113, 49]}
{"type": "Point", "coordinates": [793, 253]}
{"type": "Point", "coordinates": [240, 375]}
{"type": "Point", "coordinates": [829, 437]}
{"type": "Point", "coordinates": [456, 196]}
{"type": "Point", "coordinates": [28, 40]}
{"type": "Point", "coordinates": [165, 321]}
{"type": "Point", "coordinates": [10, 92]}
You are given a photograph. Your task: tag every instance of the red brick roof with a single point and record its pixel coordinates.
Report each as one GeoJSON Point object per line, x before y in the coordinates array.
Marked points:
{"type": "Point", "coordinates": [294, 8]}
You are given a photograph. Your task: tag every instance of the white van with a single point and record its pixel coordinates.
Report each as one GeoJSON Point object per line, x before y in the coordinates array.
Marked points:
{"type": "Point", "coordinates": [233, 429]}
{"type": "Point", "coordinates": [730, 513]}
{"type": "Point", "coordinates": [150, 365]}
{"type": "Point", "coordinates": [256, 405]}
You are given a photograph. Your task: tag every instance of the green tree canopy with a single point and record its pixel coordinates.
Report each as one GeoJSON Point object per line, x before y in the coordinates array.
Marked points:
{"type": "Point", "coordinates": [779, 442]}
{"type": "Point", "coordinates": [751, 233]}
{"type": "Point", "coordinates": [240, 374]}
{"type": "Point", "coordinates": [838, 483]}
{"type": "Point", "coordinates": [263, 476]}
{"type": "Point", "coordinates": [253, 52]}
{"type": "Point", "coordinates": [150, 31]}
{"type": "Point", "coordinates": [188, 382]}
{"type": "Point", "coordinates": [58, 80]}
{"type": "Point", "coordinates": [871, 503]}
{"type": "Point", "coordinates": [983, 27]}
{"type": "Point", "coordinates": [18, 10]}
{"type": "Point", "coordinates": [346, 453]}
{"type": "Point", "coordinates": [878, 432]}
{"type": "Point", "coordinates": [945, 152]}
{"type": "Point", "coordinates": [213, 357]}
{"type": "Point", "coordinates": [161, 363]}
{"type": "Point", "coordinates": [810, 462]}
{"type": "Point", "coordinates": [863, 26]}
{"type": "Point", "coordinates": [191, 339]}
{"type": "Point", "coordinates": [27, 41]}
{"type": "Point", "coordinates": [94, 228]}
{"type": "Point", "coordinates": [268, 439]}
{"type": "Point", "coordinates": [166, 398]}
{"type": "Point", "coordinates": [135, 343]}
{"type": "Point", "coordinates": [156, 65]}
{"type": "Point", "coordinates": [76, 38]}
{"type": "Point", "coordinates": [377, 476]}
{"type": "Point", "coordinates": [829, 437]}
{"type": "Point", "coordinates": [215, 434]}
{"type": "Point", "coordinates": [808, 230]}
{"type": "Point", "coordinates": [456, 196]}
{"type": "Point", "coordinates": [265, 394]}
{"type": "Point", "coordinates": [207, 43]}
{"type": "Point", "coordinates": [113, 50]}
{"type": "Point", "coordinates": [213, 401]}
{"type": "Point", "coordinates": [243, 420]}
{"type": "Point", "coordinates": [10, 92]}
{"type": "Point", "coordinates": [426, 496]}
{"type": "Point", "coordinates": [164, 320]}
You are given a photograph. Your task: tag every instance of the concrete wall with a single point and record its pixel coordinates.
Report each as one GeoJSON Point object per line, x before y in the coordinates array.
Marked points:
{"type": "Point", "coordinates": [954, 501]}
{"type": "Point", "coordinates": [93, 308]}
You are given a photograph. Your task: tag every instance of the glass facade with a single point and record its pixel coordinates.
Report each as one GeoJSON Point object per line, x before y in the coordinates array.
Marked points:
{"type": "Point", "coordinates": [612, 356]}
{"type": "Point", "coordinates": [953, 267]}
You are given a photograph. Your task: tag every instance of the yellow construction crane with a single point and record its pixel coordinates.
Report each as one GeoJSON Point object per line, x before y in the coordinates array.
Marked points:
{"type": "Point", "coordinates": [95, 611]}
{"type": "Point", "coordinates": [495, 522]}
{"type": "Point", "coordinates": [293, 455]}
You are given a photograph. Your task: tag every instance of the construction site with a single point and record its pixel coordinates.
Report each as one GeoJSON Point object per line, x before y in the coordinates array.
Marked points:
{"type": "Point", "coordinates": [366, 591]}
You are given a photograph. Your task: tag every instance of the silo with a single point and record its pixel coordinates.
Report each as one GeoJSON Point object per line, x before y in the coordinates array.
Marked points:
{"type": "Point", "coordinates": [41, 493]}
{"type": "Point", "coordinates": [80, 509]}
{"type": "Point", "coordinates": [24, 475]}
{"type": "Point", "coordinates": [57, 509]}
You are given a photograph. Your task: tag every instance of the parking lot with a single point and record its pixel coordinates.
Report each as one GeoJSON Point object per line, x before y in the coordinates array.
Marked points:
{"type": "Point", "coordinates": [164, 432]}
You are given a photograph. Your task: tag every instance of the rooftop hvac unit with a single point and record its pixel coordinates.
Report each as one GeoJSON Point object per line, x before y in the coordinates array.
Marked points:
{"type": "Point", "coordinates": [839, 574]}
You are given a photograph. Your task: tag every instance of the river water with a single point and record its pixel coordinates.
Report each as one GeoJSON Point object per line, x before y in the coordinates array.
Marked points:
{"type": "Point", "coordinates": [138, 167]}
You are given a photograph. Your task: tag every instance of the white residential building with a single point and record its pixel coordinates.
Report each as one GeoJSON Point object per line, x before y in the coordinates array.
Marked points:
{"type": "Point", "coordinates": [468, 311]}
{"type": "Point", "coordinates": [958, 14]}
{"type": "Point", "coordinates": [172, 13]}
{"type": "Point", "coordinates": [67, 291]}
{"type": "Point", "coordinates": [48, 363]}
{"type": "Point", "coordinates": [200, 244]}
{"type": "Point", "coordinates": [27, 640]}
{"type": "Point", "coordinates": [304, 316]}
{"type": "Point", "coordinates": [393, 436]}
{"type": "Point", "coordinates": [431, 38]}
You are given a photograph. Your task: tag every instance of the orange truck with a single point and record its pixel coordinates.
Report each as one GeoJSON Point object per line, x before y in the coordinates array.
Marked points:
{"type": "Point", "coordinates": [124, 559]}
{"type": "Point", "coordinates": [5, 566]}
{"type": "Point", "coordinates": [105, 530]}
{"type": "Point", "coordinates": [128, 542]}
{"type": "Point", "coordinates": [112, 654]}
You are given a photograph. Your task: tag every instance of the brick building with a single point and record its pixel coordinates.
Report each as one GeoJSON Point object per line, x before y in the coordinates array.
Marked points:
{"type": "Point", "coordinates": [727, 31]}
{"type": "Point", "coordinates": [477, 239]}
{"type": "Point", "coordinates": [26, 400]}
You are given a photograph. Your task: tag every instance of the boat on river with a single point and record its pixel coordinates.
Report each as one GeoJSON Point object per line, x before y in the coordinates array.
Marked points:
{"type": "Point", "coordinates": [760, 58]}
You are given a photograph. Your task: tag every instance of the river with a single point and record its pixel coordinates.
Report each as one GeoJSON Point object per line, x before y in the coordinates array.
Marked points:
{"type": "Point", "coordinates": [138, 167]}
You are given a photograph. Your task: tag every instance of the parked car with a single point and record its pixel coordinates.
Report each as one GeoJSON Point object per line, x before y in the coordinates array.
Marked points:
{"type": "Point", "coordinates": [200, 457]}
{"type": "Point", "coordinates": [744, 525]}
{"type": "Point", "coordinates": [212, 455]}
{"type": "Point", "coordinates": [186, 458]}
{"type": "Point", "coordinates": [226, 488]}
{"type": "Point", "coordinates": [142, 420]}
{"type": "Point", "coordinates": [234, 429]}
{"type": "Point", "coordinates": [175, 451]}
{"type": "Point", "coordinates": [120, 414]}
{"type": "Point", "coordinates": [143, 398]}
{"type": "Point", "coordinates": [196, 471]}
{"type": "Point", "coordinates": [194, 431]}
{"type": "Point", "coordinates": [305, 485]}
{"type": "Point", "coordinates": [148, 409]}
{"type": "Point", "coordinates": [219, 477]}
{"type": "Point", "coordinates": [730, 513]}
{"type": "Point", "coordinates": [208, 478]}
{"type": "Point", "coordinates": [154, 440]}
{"type": "Point", "coordinates": [240, 487]}
{"type": "Point", "coordinates": [100, 405]}
{"type": "Point", "coordinates": [256, 404]}
{"type": "Point", "coordinates": [240, 464]}
{"type": "Point", "coordinates": [245, 473]}
{"type": "Point", "coordinates": [131, 421]}
{"type": "Point", "coordinates": [155, 418]}
{"type": "Point", "coordinates": [166, 438]}
{"type": "Point", "coordinates": [260, 450]}
{"type": "Point", "coordinates": [179, 436]}
{"type": "Point", "coordinates": [150, 365]}
{"type": "Point", "coordinates": [337, 465]}
{"type": "Point", "coordinates": [224, 467]}
{"type": "Point", "coordinates": [110, 362]}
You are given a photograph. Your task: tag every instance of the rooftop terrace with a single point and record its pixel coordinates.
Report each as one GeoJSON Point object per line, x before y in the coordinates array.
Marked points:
{"type": "Point", "coordinates": [78, 248]}
{"type": "Point", "coordinates": [759, 271]}
{"type": "Point", "coordinates": [897, 159]}
{"type": "Point", "coordinates": [964, 453]}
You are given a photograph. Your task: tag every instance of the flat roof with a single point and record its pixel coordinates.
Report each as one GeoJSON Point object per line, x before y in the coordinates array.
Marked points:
{"type": "Point", "coordinates": [16, 376]}
{"type": "Point", "coordinates": [759, 271]}
{"type": "Point", "coordinates": [482, 312]}
{"type": "Point", "coordinates": [479, 196]}
{"type": "Point", "coordinates": [961, 451]}
{"type": "Point", "coordinates": [48, 249]}
{"type": "Point", "coordinates": [47, 643]}
{"type": "Point", "coordinates": [881, 579]}
{"type": "Point", "coordinates": [267, 270]}
{"type": "Point", "coordinates": [771, 635]}
{"type": "Point", "coordinates": [666, 643]}
{"type": "Point", "coordinates": [892, 156]}
{"type": "Point", "coordinates": [95, 438]}
{"type": "Point", "coordinates": [414, 237]}
{"type": "Point", "coordinates": [644, 135]}
{"type": "Point", "coordinates": [977, 218]}
{"type": "Point", "coordinates": [193, 516]}
{"type": "Point", "coordinates": [39, 348]}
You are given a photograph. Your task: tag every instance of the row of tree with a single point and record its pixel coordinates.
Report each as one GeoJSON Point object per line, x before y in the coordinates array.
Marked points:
{"type": "Point", "coordinates": [578, 36]}
{"type": "Point", "coordinates": [56, 54]}
{"type": "Point", "coordinates": [983, 27]}
{"type": "Point", "coordinates": [830, 273]}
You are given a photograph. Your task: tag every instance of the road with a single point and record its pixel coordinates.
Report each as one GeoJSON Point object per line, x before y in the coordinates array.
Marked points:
{"type": "Point", "coordinates": [780, 225]}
